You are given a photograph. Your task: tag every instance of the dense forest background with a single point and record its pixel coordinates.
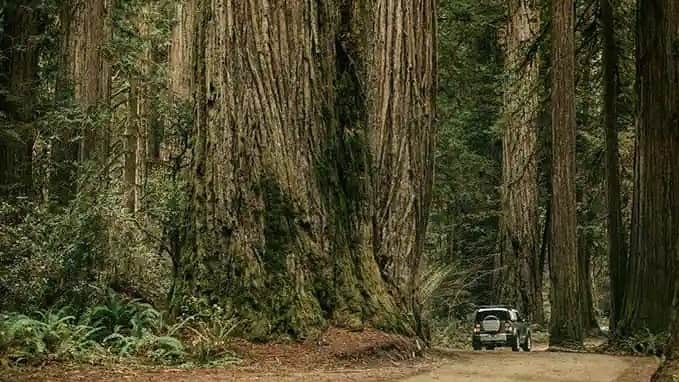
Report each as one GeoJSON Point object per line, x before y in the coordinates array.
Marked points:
{"type": "Point", "coordinates": [267, 169]}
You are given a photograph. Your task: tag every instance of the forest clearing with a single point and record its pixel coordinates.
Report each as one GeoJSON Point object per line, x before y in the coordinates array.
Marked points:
{"type": "Point", "coordinates": [339, 190]}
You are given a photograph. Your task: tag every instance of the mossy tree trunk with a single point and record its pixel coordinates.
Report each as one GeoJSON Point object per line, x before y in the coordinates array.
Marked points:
{"type": "Point", "coordinates": [311, 161]}
{"type": "Point", "coordinates": [654, 251]}
{"type": "Point", "coordinates": [520, 279]}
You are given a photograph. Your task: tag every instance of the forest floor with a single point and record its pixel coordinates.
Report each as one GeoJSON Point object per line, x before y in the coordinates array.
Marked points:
{"type": "Point", "coordinates": [369, 356]}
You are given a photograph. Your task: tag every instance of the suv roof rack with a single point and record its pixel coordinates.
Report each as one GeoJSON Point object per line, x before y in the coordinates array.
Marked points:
{"type": "Point", "coordinates": [495, 307]}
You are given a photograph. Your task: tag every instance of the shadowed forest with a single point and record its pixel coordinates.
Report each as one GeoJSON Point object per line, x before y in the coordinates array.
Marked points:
{"type": "Point", "coordinates": [184, 180]}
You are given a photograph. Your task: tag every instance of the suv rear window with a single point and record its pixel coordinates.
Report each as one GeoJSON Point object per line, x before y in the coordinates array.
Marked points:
{"type": "Point", "coordinates": [501, 314]}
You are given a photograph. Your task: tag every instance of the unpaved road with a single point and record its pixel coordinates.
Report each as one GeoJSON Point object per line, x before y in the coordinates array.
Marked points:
{"type": "Point", "coordinates": [457, 366]}
{"type": "Point", "coordinates": [505, 366]}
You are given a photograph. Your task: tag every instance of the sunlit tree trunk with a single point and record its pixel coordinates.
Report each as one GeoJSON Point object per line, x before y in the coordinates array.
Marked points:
{"type": "Point", "coordinates": [520, 270]}
{"type": "Point", "coordinates": [655, 216]}
{"type": "Point", "coordinates": [565, 325]}
{"type": "Point", "coordinates": [312, 161]}
{"type": "Point", "coordinates": [182, 49]}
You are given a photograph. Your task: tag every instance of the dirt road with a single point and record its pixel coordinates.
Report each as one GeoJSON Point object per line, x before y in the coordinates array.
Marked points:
{"type": "Point", "coordinates": [505, 366]}
{"type": "Point", "coordinates": [498, 366]}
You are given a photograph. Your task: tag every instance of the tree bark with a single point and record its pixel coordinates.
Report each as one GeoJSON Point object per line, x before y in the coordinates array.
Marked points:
{"type": "Point", "coordinates": [87, 71]}
{"type": "Point", "coordinates": [617, 246]}
{"type": "Point", "coordinates": [586, 293]}
{"type": "Point", "coordinates": [565, 326]}
{"type": "Point", "coordinates": [18, 81]}
{"type": "Point", "coordinates": [182, 49]}
{"type": "Point", "coordinates": [655, 215]}
{"type": "Point", "coordinates": [84, 80]}
{"type": "Point", "coordinates": [520, 271]}
{"type": "Point", "coordinates": [312, 161]}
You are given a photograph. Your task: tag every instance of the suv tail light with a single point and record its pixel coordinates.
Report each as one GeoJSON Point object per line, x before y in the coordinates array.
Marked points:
{"type": "Point", "coordinates": [477, 328]}
{"type": "Point", "coordinates": [508, 327]}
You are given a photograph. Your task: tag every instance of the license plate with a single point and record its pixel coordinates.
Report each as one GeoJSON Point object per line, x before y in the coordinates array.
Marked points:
{"type": "Point", "coordinates": [493, 337]}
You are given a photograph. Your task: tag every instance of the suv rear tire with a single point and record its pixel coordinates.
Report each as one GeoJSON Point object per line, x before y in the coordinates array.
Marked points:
{"type": "Point", "coordinates": [528, 344]}
{"type": "Point", "coordinates": [516, 346]}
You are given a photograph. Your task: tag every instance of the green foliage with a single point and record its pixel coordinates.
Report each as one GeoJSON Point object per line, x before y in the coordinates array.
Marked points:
{"type": "Point", "coordinates": [123, 316]}
{"type": "Point", "coordinates": [49, 255]}
{"type": "Point", "coordinates": [209, 345]}
{"type": "Point", "coordinates": [121, 328]}
{"type": "Point", "coordinates": [464, 219]}
{"type": "Point", "coordinates": [50, 335]}
{"type": "Point", "coordinates": [646, 343]}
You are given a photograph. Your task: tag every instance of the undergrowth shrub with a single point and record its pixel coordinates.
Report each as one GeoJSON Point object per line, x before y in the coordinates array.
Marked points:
{"type": "Point", "coordinates": [119, 328]}
{"type": "Point", "coordinates": [646, 343]}
{"type": "Point", "coordinates": [50, 335]}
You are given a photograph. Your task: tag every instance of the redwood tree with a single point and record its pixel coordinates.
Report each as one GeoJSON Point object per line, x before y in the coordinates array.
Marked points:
{"type": "Point", "coordinates": [312, 161]}
{"type": "Point", "coordinates": [84, 81]}
{"type": "Point", "coordinates": [18, 89]}
{"type": "Point", "coordinates": [565, 325]}
{"type": "Point", "coordinates": [87, 71]}
{"type": "Point", "coordinates": [617, 246]}
{"type": "Point", "coordinates": [655, 216]}
{"type": "Point", "coordinates": [520, 281]}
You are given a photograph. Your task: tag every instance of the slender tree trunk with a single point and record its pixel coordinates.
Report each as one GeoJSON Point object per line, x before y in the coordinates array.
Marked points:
{"type": "Point", "coordinates": [84, 78]}
{"type": "Point", "coordinates": [655, 220]}
{"type": "Point", "coordinates": [130, 168]}
{"type": "Point", "coordinates": [181, 75]}
{"type": "Point", "coordinates": [18, 84]}
{"type": "Point", "coordinates": [566, 326]}
{"type": "Point", "coordinates": [520, 271]}
{"type": "Point", "coordinates": [312, 161]}
{"type": "Point", "coordinates": [617, 246]}
{"type": "Point", "coordinates": [182, 49]}
{"type": "Point", "coordinates": [586, 218]}
{"type": "Point", "coordinates": [586, 295]}
{"type": "Point", "coordinates": [87, 70]}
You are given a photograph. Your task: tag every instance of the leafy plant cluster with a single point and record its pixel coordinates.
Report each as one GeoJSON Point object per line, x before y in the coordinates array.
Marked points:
{"type": "Point", "coordinates": [646, 343]}
{"type": "Point", "coordinates": [120, 328]}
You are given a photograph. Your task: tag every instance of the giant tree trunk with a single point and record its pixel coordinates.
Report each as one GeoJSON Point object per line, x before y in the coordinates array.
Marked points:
{"type": "Point", "coordinates": [312, 161]}
{"type": "Point", "coordinates": [617, 246]}
{"type": "Point", "coordinates": [520, 271]}
{"type": "Point", "coordinates": [565, 326]}
{"type": "Point", "coordinates": [655, 216]}
{"type": "Point", "coordinates": [18, 84]}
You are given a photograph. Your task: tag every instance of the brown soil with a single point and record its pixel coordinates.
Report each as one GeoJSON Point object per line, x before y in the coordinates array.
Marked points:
{"type": "Point", "coordinates": [540, 366]}
{"type": "Point", "coordinates": [668, 373]}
